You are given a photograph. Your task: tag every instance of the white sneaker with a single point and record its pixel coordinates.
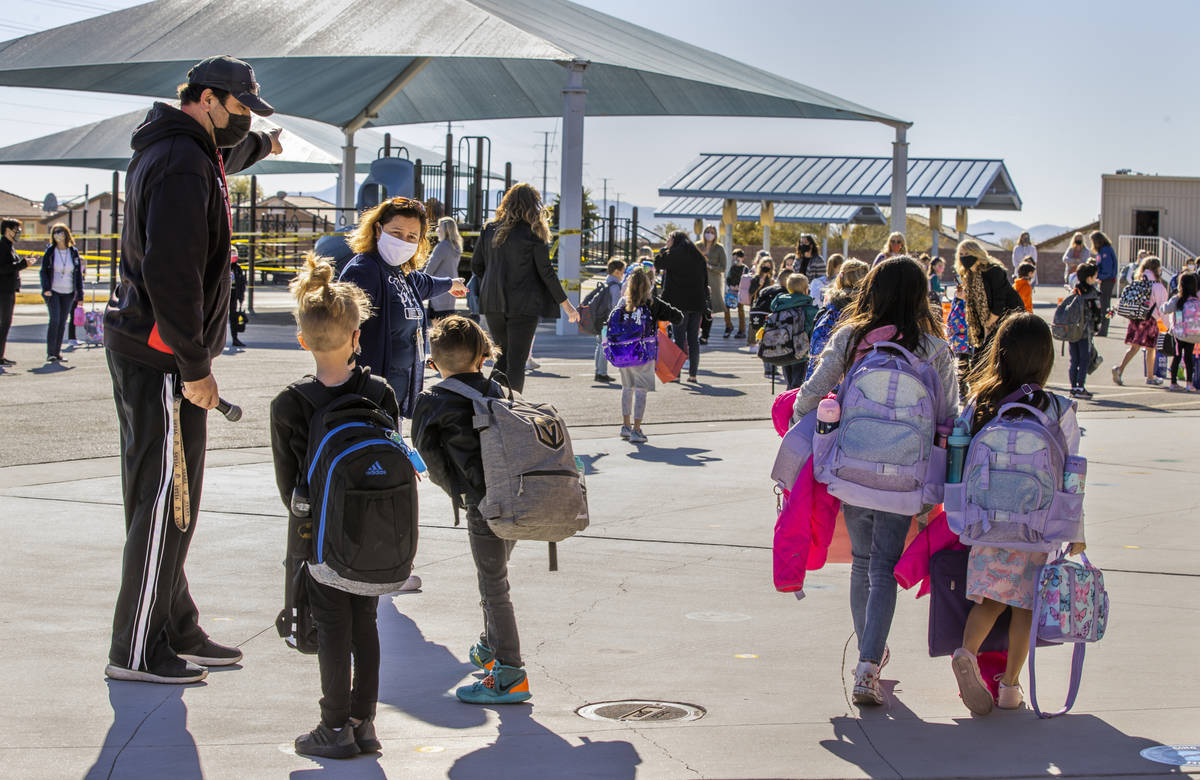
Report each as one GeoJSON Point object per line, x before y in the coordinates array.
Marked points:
{"type": "Point", "coordinates": [73, 342]}
{"type": "Point", "coordinates": [971, 687]}
{"type": "Point", "coordinates": [1153, 380]}
{"type": "Point", "coordinates": [626, 432]}
{"type": "Point", "coordinates": [866, 684]}
{"type": "Point", "coordinates": [532, 364]}
{"type": "Point", "coordinates": [413, 583]}
{"type": "Point", "coordinates": [1010, 697]}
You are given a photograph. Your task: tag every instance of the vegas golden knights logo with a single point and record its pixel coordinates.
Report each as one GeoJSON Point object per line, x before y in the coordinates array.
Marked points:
{"type": "Point", "coordinates": [549, 431]}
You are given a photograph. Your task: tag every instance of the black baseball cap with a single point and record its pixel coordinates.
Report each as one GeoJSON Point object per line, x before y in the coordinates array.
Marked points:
{"type": "Point", "coordinates": [235, 77]}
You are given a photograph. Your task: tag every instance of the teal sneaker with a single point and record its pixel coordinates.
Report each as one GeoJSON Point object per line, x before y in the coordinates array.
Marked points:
{"type": "Point", "coordinates": [482, 656]}
{"type": "Point", "coordinates": [502, 685]}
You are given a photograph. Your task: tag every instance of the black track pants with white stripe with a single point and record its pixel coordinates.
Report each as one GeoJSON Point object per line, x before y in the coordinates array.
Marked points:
{"type": "Point", "coordinates": [155, 616]}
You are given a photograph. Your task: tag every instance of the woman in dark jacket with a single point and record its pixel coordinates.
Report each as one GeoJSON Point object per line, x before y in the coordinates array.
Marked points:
{"type": "Point", "coordinates": [62, 286]}
{"type": "Point", "coordinates": [519, 286]}
{"type": "Point", "coordinates": [686, 288]}
{"type": "Point", "coordinates": [988, 294]}
{"type": "Point", "coordinates": [392, 245]}
{"type": "Point", "coordinates": [11, 265]}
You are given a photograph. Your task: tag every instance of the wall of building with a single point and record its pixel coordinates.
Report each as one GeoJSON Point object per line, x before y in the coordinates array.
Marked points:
{"type": "Point", "coordinates": [1177, 200]}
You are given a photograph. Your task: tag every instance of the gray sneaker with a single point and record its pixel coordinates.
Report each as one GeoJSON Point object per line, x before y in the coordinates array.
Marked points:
{"type": "Point", "coordinates": [637, 437]}
{"type": "Point", "coordinates": [626, 432]}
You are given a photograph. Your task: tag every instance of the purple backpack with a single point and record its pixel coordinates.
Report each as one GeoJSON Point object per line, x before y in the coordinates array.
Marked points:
{"type": "Point", "coordinates": [632, 338]}
{"type": "Point", "coordinates": [1011, 495]}
{"type": "Point", "coordinates": [883, 454]}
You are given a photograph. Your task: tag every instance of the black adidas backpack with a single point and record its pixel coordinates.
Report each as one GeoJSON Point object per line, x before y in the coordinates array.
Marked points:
{"type": "Point", "coordinates": [361, 485]}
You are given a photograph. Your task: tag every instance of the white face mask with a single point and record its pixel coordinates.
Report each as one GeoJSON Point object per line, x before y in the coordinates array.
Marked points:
{"type": "Point", "coordinates": [394, 251]}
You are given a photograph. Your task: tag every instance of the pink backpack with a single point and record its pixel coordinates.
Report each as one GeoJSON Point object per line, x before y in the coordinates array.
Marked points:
{"type": "Point", "coordinates": [1187, 321]}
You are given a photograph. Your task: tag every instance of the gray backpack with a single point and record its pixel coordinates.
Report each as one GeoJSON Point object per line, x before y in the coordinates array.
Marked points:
{"type": "Point", "coordinates": [533, 488]}
{"type": "Point", "coordinates": [1070, 319]}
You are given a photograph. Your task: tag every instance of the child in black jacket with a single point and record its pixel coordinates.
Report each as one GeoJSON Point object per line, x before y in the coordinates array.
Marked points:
{"type": "Point", "coordinates": [443, 433]}
{"type": "Point", "coordinates": [329, 315]}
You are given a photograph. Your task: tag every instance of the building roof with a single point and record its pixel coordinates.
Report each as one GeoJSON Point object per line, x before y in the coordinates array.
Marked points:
{"type": "Point", "coordinates": [19, 207]}
{"type": "Point", "coordinates": [450, 60]}
{"type": "Point", "coordinates": [748, 211]}
{"type": "Point", "coordinates": [949, 236]}
{"type": "Point", "coordinates": [863, 181]}
{"type": "Point", "coordinates": [1061, 242]}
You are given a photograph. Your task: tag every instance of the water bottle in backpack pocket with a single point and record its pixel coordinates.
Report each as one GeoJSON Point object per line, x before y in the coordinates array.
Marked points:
{"type": "Point", "coordinates": [884, 452]}
{"type": "Point", "coordinates": [1014, 492]}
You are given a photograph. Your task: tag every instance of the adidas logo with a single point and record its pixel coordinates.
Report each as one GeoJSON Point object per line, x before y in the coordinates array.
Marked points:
{"type": "Point", "coordinates": [376, 470]}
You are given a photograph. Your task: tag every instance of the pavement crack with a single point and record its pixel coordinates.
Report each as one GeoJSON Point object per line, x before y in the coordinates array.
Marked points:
{"type": "Point", "coordinates": [136, 729]}
{"type": "Point", "coordinates": [642, 733]}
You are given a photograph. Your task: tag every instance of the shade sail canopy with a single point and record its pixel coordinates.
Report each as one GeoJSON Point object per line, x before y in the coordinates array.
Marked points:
{"type": "Point", "coordinates": [458, 60]}
{"type": "Point", "coordinates": [748, 211]}
{"type": "Point", "coordinates": [784, 178]}
{"type": "Point", "coordinates": [308, 146]}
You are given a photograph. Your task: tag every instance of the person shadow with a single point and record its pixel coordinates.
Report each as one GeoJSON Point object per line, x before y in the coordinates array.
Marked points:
{"type": "Point", "coordinates": [892, 740]}
{"type": "Point", "coordinates": [526, 748]}
{"type": "Point", "coordinates": [148, 737]}
{"type": "Point", "coordinates": [673, 456]}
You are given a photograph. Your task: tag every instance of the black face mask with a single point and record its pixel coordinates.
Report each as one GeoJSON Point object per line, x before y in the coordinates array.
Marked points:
{"type": "Point", "coordinates": [234, 132]}
{"type": "Point", "coordinates": [968, 261]}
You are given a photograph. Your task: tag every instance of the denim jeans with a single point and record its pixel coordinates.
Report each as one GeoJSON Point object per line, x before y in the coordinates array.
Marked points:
{"type": "Point", "coordinates": [794, 374]}
{"type": "Point", "coordinates": [1081, 358]}
{"type": "Point", "coordinates": [601, 359]}
{"type": "Point", "coordinates": [687, 337]}
{"type": "Point", "coordinates": [62, 308]}
{"type": "Point", "coordinates": [876, 542]}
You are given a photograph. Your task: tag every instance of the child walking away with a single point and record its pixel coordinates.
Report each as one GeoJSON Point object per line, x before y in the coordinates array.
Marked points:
{"type": "Point", "coordinates": [1142, 303]}
{"type": "Point", "coordinates": [1186, 329]}
{"type": "Point", "coordinates": [1009, 411]}
{"type": "Point", "coordinates": [337, 450]}
{"type": "Point", "coordinates": [1024, 284]}
{"type": "Point", "coordinates": [788, 331]}
{"type": "Point", "coordinates": [1076, 321]}
{"type": "Point", "coordinates": [884, 459]}
{"type": "Point", "coordinates": [762, 308]}
{"type": "Point", "coordinates": [838, 296]}
{"type": "Point", "coordinates": [600, 303]}
{"type": "Point", "coordinates": [956, 333]}
{"type": "Point", "coordinates": [632, 346]}
{"type": "Point", "coordinates": [517, 480]}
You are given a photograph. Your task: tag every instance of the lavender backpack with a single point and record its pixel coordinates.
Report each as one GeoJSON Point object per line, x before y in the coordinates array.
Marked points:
{"type": "Point", "coordinates": [632, 339]}
{"type": "Point", "coordinates": [883, 454]}
{"type": "Point", "coordinates": [1071, 607]}
{"type": "Point", "coordinates": [1011, 494]}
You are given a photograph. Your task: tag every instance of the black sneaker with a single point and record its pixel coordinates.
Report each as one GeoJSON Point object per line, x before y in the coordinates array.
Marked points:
{"type": "Point", "coordinates": [364, 737]}
{"type": "Point", "coordinates": [238, 343]}
{"type": "Point", "coordinates": [210, 653]}
{"type": "Point", "coordinates": [327, 743]}
{"type": "Point", "coordinates": [602, 378]}
{"type": "Point", "coordinates": [174, 672]}
{"type": "Point", "coordinates": [703, 341]}
{"type": "Point", "coordinates": [6, 362]}
{"type": "Point", "coordinates": [52, 358]}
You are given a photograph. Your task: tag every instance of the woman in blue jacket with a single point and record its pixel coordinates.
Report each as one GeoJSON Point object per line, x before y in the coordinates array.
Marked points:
{"type": "Point", "coordinates": [62, 286]}
{"type": "Point", "coordinates": [392, 245]}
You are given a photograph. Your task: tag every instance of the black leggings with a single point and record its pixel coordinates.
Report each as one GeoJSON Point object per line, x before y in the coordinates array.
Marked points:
{"type": "Point", "coordinates": [8, 300]}
{"type": "Point", "coordinates": [1183, 351]}
{"type": "Point", "coordinates": [687, 338]}
{"type": "Point", "coordinates": [347, 638]}
{"type": "Point", "coordinates": [513, 334]}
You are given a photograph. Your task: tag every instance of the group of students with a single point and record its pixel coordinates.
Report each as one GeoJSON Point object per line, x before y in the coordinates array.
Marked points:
{"type": "Point", "coordinates": [891, 311]}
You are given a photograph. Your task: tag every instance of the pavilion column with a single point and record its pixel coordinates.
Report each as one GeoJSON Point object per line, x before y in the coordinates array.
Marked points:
{"type": "Point", "coordinates": [825, 240]}
{"type": "Point", "coordinates": [960, 222]}
{"type": "Point", "coordinates": [899, 179]}
{"type": "Point", "coordinates": [935, 228]}
{"type": "Point", "coordinates": [729, 217]}
{"type": "Point", "coordinates": [846, 228]}
{"type": "Point", "coordinates": [766, 218]}
{"type": "Point", "coordinates": [345, 199]}
{"type": "Point", "coordinates": [570, 204]}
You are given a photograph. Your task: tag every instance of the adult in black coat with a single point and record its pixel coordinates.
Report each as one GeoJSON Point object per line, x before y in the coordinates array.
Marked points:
{"type": "Point", "coordinates": [519, 285]}
{"type": "Point", "coordinates": [685, 287]}
{"type": "Point", "coordinates": [11, 265]}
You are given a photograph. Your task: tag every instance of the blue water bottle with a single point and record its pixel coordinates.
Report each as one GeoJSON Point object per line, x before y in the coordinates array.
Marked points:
{"type": "Point", "coordinates": [956, 451]}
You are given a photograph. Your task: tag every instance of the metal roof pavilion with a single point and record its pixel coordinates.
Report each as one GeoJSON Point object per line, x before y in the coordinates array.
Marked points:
{"type": "Point", "coordinates": [845, 180]}
{"type": "Point", "coordinates": [358, 63]}
{"type": "Point", "coordinates": [711, 208]}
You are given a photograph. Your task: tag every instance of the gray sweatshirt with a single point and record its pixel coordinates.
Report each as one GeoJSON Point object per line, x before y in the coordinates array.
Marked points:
{"type": "Point", "coordinates": [832, 368]}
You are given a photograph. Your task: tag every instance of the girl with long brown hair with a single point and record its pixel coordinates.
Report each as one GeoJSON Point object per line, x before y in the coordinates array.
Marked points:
{"type": "Point", "coordinates": [519, 285]}
{"type": "Point", "coordinates": [986, 291]}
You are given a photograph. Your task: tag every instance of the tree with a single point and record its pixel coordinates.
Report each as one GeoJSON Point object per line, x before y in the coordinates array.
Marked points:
{"type": "Point", "coordinates": [239, 189]}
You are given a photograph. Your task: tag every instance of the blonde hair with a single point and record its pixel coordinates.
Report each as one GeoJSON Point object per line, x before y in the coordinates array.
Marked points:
{"type": "Point", "coordinates": [639, 290]}
{"type": "Point", "coordinates": [327, 312]}
{"type": "Point", "coordinates": [1152, 264]}
{"type": "Point", "coordinates": [797, 283]}
{"type": "Point", "coordinates": [973, 248]}
{"type": "Point", "coordinates": [903, 244]}
{"type": "Point", "coordinates": [457, 342]}
{"type": "Point", "coordinates": [447, 230]}
{"type": "Point", "coordinates": [833, 265]}
{"type": "Point", "coordinates": [363, 239]}
{"type": "Point", "coordinates": [852, 275]}
{"type": "Point", "coordinates": [522, 204]}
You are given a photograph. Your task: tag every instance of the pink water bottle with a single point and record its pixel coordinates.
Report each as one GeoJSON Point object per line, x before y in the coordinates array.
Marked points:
{"type": "Point", "coordinates": [829, 414]}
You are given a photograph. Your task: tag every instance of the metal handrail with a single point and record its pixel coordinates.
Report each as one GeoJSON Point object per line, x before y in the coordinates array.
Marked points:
{"type": "Point", "coordinates": [1170, 252]}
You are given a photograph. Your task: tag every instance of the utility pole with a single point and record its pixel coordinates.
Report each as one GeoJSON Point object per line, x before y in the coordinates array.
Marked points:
{"type": "Point", "coordinates": [605, 180]}
{"type": "Point", "coordinates": [545, 156]}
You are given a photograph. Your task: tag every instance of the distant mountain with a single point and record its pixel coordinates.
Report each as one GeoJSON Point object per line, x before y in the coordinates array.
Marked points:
{"type": "Point", "coordinates": [1001, 229]}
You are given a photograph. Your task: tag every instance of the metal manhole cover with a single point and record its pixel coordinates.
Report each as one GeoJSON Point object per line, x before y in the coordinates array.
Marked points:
{"type": "Point", "coordinates": [1174, 755]}
{"type": "Point", "coordinates": [640, 711]}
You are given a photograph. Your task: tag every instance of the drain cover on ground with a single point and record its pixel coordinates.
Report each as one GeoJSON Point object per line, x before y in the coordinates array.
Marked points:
{"type": "Point", "coordinates": [640, 711]}
{"type": "Point", "coordinates": [1175, 755]}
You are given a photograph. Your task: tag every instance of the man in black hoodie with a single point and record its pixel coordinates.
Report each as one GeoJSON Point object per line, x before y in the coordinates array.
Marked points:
{"type": "Point", "coordinates": [163, 327]}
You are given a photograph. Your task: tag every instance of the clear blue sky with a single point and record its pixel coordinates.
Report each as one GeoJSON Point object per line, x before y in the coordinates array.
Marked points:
{"type": "Point", "coordinates": [1062, 91]}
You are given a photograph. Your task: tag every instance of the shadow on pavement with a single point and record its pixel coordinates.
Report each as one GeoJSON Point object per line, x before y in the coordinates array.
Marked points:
{"type": "Point", "coordinates": [675, 456]}
{"type": "Point", "coordinates": [51, 368]}
{"type": "Point", "coordinates": [417, 676]}
{"type": "Point", "coordinates": [357, 768]}
{"type": "Point", "coordinates": [589, 463]}
{"type": "Point", "coordinates": [156, 716]}
{"type": "Point", "coordinates": [712, 390]}
{"type": "Point", "coordinates": [1003, 744]}
{"type": "Point", "coordinates": [526, 748]}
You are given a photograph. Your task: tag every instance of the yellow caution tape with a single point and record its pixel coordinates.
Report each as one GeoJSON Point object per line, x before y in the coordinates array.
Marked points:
{"type": "Point", "coordinates": [570, 232]}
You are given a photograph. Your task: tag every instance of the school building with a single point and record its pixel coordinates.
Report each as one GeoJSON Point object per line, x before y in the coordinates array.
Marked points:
{"type": "Point", "coordinates": [1160, 214]}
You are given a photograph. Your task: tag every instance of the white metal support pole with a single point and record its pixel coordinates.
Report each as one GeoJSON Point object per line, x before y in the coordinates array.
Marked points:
{"type": "Point", "coordinates": [570, 204]}
{"type": "Point", "coordinates": [345, 198]}
{"type": "Point", "coordinates": [935, 227]}
{"type": "Point", "coordinates": [825, 241]}
{"type": "Point", "coordinates": [899, 179]}
{"type": "Point", "coordinates": [766, 218]}
{"type": "Point", "coordinates": [846, 228]}
{"type": "Point", "coordinates": [729, 216]}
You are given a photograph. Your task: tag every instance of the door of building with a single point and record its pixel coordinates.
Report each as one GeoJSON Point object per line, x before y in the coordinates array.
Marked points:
{"type": "Point", "coordinates": [1145, 222]}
